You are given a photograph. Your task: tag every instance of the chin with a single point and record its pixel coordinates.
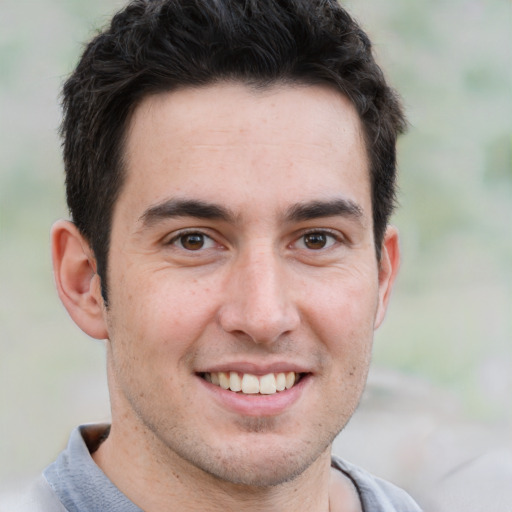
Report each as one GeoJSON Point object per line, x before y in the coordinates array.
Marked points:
{"type": "Point", "coordinates": [262, 462]}
{"type": "Point", "coordinates": [260, 473]}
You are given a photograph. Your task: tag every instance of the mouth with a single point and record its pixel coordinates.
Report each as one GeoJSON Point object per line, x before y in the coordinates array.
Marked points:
{"type": "Point", "coordinates": [250, 384]}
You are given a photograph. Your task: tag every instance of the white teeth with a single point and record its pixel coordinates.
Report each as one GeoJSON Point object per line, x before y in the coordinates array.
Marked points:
{"type": "Point", "coordinates": [280, 382]}
{"type": "Point", "coordinates": [224, 380]}
{"type": "Point", "coordinates": [235, 382]}
{"type": "Point", "coordinates": [252, 384]}
{"type": "Point", "coordinates": [268, 384]}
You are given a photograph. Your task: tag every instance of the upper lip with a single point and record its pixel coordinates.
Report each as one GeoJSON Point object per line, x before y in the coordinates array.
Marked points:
{"type": "Point", "coordinates": [256, 368]}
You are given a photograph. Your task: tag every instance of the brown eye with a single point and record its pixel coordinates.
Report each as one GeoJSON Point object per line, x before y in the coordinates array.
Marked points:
{"type": "Point", "coordinates": [315, 240]}
{"type": "Point", "coordinates": [192, 241]}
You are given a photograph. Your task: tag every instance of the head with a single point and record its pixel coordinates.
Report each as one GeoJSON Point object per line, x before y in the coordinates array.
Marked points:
{"type": "Point", "coordinates": [156, 46]}
{"type": "Point", "coordinates": [230, 171]}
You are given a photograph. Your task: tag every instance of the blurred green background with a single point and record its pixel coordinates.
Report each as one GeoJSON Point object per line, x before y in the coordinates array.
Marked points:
{"type": "Point", "coordinates": [450, 322]}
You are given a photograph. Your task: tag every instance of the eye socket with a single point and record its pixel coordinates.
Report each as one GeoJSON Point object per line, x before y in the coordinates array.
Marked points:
{"type": "Point", "coordinates": [316, 240]}
{"type": "Point", "coordinates": [193, 241]}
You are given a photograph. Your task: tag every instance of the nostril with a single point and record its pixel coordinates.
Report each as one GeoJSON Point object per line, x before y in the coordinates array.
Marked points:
{"type": "Point", "coordinates": [258, 326]}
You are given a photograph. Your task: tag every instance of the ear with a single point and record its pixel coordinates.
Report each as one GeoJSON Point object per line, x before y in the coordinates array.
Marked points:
{"type": "Point", "coordinates": [388, 269]}
{"type": "Point", "coordinates": [78, 284]}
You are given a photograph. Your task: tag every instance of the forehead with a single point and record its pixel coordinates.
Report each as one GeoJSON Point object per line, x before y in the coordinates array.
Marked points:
{"type": "Point", "coordinates": [228, 138]}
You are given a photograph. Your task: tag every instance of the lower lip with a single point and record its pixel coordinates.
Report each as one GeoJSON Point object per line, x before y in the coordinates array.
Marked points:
{"type": "Point", "coordinates": [256, 405]}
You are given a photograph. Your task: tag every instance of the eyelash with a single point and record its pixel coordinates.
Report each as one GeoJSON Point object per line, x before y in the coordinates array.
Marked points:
{"type": "Point", "coordinates": [334, 235]}
{"type": "Point", "coordinates": [176, 238]}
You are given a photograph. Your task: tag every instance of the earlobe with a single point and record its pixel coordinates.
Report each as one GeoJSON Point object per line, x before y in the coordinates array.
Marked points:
{"type": "Point", "coordinates": [388, 269]}
{"type": "Point", "coordinates": [77, 282]}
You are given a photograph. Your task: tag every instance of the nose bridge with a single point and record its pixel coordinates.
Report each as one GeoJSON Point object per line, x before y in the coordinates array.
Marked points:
{"type": "Point", "coordinates": [259, 303]}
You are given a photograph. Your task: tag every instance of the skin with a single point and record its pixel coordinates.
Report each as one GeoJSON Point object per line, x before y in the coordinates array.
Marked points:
{"type": "Point", "coordinates": [257, 282]}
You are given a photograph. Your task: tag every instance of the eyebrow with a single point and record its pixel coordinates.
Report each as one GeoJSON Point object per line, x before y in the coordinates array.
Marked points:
{"type": "Point", "coordinates": [318, 209]}
{"type": "Point", "coordinates": [172, 208]}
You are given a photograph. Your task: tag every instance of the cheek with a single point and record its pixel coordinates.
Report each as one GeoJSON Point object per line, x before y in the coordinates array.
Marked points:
{"type": "Point", "coordinates": [342, 319]}
{"type": "Point", "coordinates": [154, 314]}
{"type": "Point", "coordinates": [345, 308]}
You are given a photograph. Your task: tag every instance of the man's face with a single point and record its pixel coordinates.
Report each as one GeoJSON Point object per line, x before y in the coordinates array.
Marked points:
{"type": "Point", "coordinates": [242, 245]}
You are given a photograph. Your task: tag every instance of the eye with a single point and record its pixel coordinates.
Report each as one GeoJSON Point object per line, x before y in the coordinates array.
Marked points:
{"type": "Point", "coordinates": [316, 240]}
{"type": "Point", "coordinates": [193, 241]}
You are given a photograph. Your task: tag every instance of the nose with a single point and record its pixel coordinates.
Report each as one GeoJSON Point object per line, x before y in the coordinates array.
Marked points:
{"type": "Point", "coordinates": [259, 303]}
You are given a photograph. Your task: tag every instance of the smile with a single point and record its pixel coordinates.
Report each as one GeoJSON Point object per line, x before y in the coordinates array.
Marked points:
{"type": "Point", "coordinates": [249, 384]}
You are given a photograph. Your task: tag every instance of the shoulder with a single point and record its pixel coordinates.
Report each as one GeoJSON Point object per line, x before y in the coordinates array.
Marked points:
{"type": "Point", "coordinates": [39, 497]}
{"type": "Point", "coordinates": [376, 493]}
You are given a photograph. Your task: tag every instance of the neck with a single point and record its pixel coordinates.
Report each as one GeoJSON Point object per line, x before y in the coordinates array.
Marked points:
{"type": "Point", "coordinates": [155, 480]}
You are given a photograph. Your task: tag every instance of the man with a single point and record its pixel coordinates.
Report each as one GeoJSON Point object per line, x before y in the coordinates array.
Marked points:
{"type": "Point", "coordinates": [230, 172]}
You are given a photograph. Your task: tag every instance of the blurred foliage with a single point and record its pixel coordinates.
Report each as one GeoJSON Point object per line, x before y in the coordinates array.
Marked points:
{"type": "Point", "coordinates": [451, 318]}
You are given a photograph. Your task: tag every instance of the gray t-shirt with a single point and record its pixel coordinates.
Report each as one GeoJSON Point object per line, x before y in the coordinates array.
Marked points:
{"type": "Point", "coordinates": [74, 483]}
